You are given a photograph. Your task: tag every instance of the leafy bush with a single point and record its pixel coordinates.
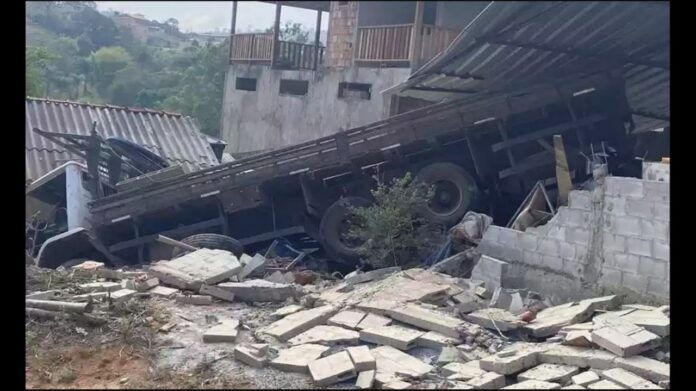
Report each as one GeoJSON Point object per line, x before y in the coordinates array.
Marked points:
{"type": "Point", "coordinates": [391, 231]}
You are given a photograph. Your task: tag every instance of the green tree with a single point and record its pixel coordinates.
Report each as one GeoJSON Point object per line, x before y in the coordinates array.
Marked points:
{"type": "Point", "coordinates": [292, 32]}
{"type": "Point", "coordinates": [36, 60]}
{"type": "Point", "coordinates": [391, 231]}
{"type": "Point", "coordinates": [106, 62]}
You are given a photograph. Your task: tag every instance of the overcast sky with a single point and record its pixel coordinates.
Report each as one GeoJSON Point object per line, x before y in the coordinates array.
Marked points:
{"type": "Point", "coordinates": [205, 16]}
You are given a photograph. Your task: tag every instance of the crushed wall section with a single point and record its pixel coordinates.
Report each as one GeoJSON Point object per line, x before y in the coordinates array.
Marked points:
{"type": "Point", "coordinates": [614, 239]}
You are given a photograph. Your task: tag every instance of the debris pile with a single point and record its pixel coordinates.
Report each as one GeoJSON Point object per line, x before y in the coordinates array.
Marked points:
{"type": "Point", "coordinates": [393, 328]}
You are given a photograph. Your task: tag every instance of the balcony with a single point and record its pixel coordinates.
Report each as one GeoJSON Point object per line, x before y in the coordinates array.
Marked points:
{"type": "Point", "coordinates": [390, 46]}
{"type": "Point", "coordinates": [257, 48]}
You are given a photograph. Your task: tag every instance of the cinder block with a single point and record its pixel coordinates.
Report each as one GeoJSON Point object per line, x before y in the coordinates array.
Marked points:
{"type": "Point", "coordinates": [530, 241]}
{"type": "Point", "coordinates": [572, 267]}
{"type": "Point", "coordinates": [614, 242]}
{"type": "Point", "coordinates": [615, 206]}
{"type": "Point", "coordinates": [611, 276]}
{"type": "Point", "coordinates": [567, 250]}
{"type": "Point", "coordinates": [658, 287]}
{"type": "Point", "coordinates": [656, 191]}
{"type": "Point", "coordinates": [578, 235]}
{"type": "Point", "coordinates": [580, 200]}
{"type": "Point", "coordinates": [511, 253]}
{"type": "Point", "coordinates": [640, 246]}
{"type": "Point", "coordinates": [655, 229]}
{"type": "Point", "coordinates": [554, 263]}
{"type": "Point", "coordinates": [509, 237]}
{"type": "Point", "coordinates": [549, 247]}
{"type": "Point", "coordinates": [651, 267]}
{"type": "Point", "coordinates": [626, 225]}
{"type": "Point", "coordinates": [577, 217]}
{"type": "Point", "coordinates": [635, 282]}
{"type": "Point", "coordinates": [581, 252]}
{"type": "Point", "coordinates": [623, 262]}
{"type": "Point", "coordinates": [639, 208]}
{"type": "Point", "coordinates": [492, 234]}
{"type": "Point", "coordinates": [624, 187]}
{"type": "Point", "coordinates": [532, 258]}
{"type": "Point", "coordinates": [556, 232]}
{"type": "Point", "coordinates": [661, 210]}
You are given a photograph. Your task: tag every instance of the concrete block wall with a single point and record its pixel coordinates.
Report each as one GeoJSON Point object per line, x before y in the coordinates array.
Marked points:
{"type": "Point", "coordinates": [613, 238]}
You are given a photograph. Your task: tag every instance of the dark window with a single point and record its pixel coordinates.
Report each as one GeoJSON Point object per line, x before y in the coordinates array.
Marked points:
{"type": "Point", "coordinates": [354, 90]}
{"type": "Point", "coordinates": [245, 84]}
{"type": "Point", "coordinates": [294, 87]}
{"type": "Point", "coordinates": [342, 3]}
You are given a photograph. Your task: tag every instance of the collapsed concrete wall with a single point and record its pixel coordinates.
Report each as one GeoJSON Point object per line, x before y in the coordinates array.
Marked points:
{"type": "Point", "coordinates": [614, 238]}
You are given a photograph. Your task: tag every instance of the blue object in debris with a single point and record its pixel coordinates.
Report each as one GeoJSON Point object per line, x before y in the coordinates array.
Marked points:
{"type": "Point", "coordinates": [439, 254]}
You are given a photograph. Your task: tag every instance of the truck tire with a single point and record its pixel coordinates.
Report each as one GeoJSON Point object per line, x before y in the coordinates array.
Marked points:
{"type": "Point", "coordinates": [332, 226]}
{"type": "Point", "coordinates": [454, 192]}
{"type": "Point", "coordinates": [211, 241]}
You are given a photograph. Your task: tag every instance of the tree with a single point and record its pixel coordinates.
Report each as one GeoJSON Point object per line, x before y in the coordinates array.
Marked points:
{"type": "Point", "coordinates": [391, 230]}
{"type": "Point", "coordinates": [292, 32]}
{"type": "Point", "coordinates": [36, 60]}
{"type": "Point", "coordinates": [106, 62]}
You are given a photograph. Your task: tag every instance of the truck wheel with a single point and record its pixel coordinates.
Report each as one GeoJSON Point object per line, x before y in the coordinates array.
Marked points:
{"type": "Point", "coordinates": [333, 227]}
{"type": "Point", "coordinates": [211, 241]}
{"type": "Point", "coordinates": [454, 192]}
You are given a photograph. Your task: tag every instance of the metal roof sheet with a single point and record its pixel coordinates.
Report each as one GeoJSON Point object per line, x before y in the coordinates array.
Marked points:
{"type": "Point", "coordinates": [172, 136]}
{"type": "Point", "coordinates": [513, 44]}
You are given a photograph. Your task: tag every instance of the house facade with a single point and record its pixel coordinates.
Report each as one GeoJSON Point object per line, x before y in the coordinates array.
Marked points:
{"type": "Point", "coordinates": [279, 93]}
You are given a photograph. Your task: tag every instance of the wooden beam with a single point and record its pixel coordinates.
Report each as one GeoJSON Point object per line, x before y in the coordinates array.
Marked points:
{"type": "Point", "coordinates": [175, 243]}
{"type": "Point", "coordinates": [276, 35]}
{"type": "Point", "coordinates": [448, 90]}
{"type": "Point", "coordinates": [546, 132]}
{"type": "Point", "coordinates": [233, 26]}
{"type": "Point", "coordinates": [317, 35]}
{"type": "Point", "coordinates": [565, 184]}
{"type": "Point", "coordinates": [172, 232]}
{"type": "Point", "coordinates": [416, 37]}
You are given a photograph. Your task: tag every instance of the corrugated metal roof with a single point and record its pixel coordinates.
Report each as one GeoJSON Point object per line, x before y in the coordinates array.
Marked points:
{"type": "Point", "coordinates": [172, 136]}
{"type": "Point", "coordinates": [511, 44]}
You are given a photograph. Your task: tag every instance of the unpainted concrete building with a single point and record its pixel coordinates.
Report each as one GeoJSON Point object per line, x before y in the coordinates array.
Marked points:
{"type": "Point", "coordinates": [280, 93]}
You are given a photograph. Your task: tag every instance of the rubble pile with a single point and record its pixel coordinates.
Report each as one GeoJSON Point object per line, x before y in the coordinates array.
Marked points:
{"type": "Point", "coordinates": [393, 328]}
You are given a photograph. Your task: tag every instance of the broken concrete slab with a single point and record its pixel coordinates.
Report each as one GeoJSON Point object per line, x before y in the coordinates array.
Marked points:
{"type": "Point", "coordinates": [259, 290]}
{"type": "Point", "coordinates": [371, 275]}
{"type": "Point", "coordinates": [399, 337]}
{"type": "Point", "coordinates": [299, 322]}
{"type": "Point", "coordinates": [533, 385]}
{"type": "Point", "coordinates": [435, 340]}
{"type": "Point", "coordinates": [467, 302]}
{"type": "Point", "coordinates": [198, 267]}
{"type": "Point", "coordinates": [326, 335]}
{"type": "Point", "coordinates": [645, 367]}
{"type": "Point", "coordinates": [424, 318]}
{"type": "Point", "coordinates": [347, 318]}
{"type": "Point", "coordinates": [623, 338]}
{"type": "Point", "coordinates": [362, 358]}
{"type": "Point", "coordinates": [216, 292]}
{"type": "Point", "coordinates": [573, 387]}
{"type": "Point", "coordinates": [397, 385]}
{"type": "Point", "coordinates": [654, 321]}
{"type": "Point", "coordinates": [449, 354]}
{"type": "Point", "coordinates": [517, 305]}
{"type": "Point", "coordinates": [512, 360]}
{"type": "Point", "coordinates": [577, 356]}
{"type": "Point", "coordinates": [254, 266]}
{"type": "Point", "coordinates": [487, 381]}
{"type": "Point", "coordinates": [373, 320]}
{"type": "Point", "coordinates": [491, 271]}
{"type": "Point", "coordinates": [550, 373]}
{"type": "Point", "coordinates": [332, 369]}
{"type": "Point", "coordinates": [495, 319]}
{"type": "Point", "coordinates": [250, 356]}
{"type": "Point", "coordinates": [550, 320]}
{"type": "Point", "coordinates": [392, 361]}
{"type": "Point", "coordinates": [297, 358]}
{"type": "Point", "coordinates": [585, 378]}
{"type": "Point", "coordinates": [53, 294]}
{"type": "Point", "coordinates": [194, 299]}
{"type": "Point", "coordinates": [121, 295]}
{"type": "Point", "coordinates": [287, 310]}
{"type": "Point", "coordinates": [277, 277]}
{"type": "Point", "coordinates": [244, 259]}
{"type": "Point", "coordinates": [163, 291]}
{"type": "Point", "coordinates": [90, 296]}
{"type": "Point", "coordinates": [605, 385]}
{"type": "Point", "coordinates": [382, 378]}
{"type": "Point", "coordinates": [100, 287]}
{"type": "Point", "coordinates": [226, 331]}
{"type": "Point", "coordinates": [365, 379]}
{"type": "Point", "coordinates": [461, 371]}
{"type": "Point", "coordinates": [627, 379]}
{"type": "Point", "coordinates": [582, 338]}
{"type": "Point", "coordinates": [501, 299]}
{"type": "Point", "coordinates": [142, 286]}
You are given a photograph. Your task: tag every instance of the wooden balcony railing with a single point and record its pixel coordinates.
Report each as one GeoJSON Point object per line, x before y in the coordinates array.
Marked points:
{"type": "Point", "coordinates": [392, 44]}
{"type": "Point", "coordinates": [258, 48]}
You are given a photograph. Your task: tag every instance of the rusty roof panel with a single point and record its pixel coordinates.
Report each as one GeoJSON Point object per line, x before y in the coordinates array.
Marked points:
{"type": "Point", "coordinates": [172, 136]}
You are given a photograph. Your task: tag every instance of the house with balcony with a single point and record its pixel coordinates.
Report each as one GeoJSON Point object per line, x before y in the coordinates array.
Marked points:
{"type": "Point", "coordinates": [279, 93]}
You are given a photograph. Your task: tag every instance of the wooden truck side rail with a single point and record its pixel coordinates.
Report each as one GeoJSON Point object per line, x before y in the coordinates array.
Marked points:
{"type": "Point", "coordinates": [340, 148]}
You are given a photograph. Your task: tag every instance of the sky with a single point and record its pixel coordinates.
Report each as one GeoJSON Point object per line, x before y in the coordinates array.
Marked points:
{"type": "Point", "coordinates": [207, 16]}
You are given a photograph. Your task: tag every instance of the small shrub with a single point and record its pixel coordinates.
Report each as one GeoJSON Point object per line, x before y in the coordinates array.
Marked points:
{"type": "Point", "coordinates": [391, 231]}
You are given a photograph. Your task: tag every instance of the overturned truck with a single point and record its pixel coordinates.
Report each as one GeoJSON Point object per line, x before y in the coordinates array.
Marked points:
{"type": "Point", "coordinates": [483, 154]}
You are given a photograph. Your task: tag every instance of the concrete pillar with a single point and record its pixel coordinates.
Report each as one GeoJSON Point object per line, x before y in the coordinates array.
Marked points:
{"type": "Point", "coordinates": [416, 37]}
{"type": "Point", "coordinates": [276, 34]}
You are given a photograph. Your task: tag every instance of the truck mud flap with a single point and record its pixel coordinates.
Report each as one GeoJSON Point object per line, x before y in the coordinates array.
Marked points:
{"type": "Point", "coordinates": [72, 244]}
